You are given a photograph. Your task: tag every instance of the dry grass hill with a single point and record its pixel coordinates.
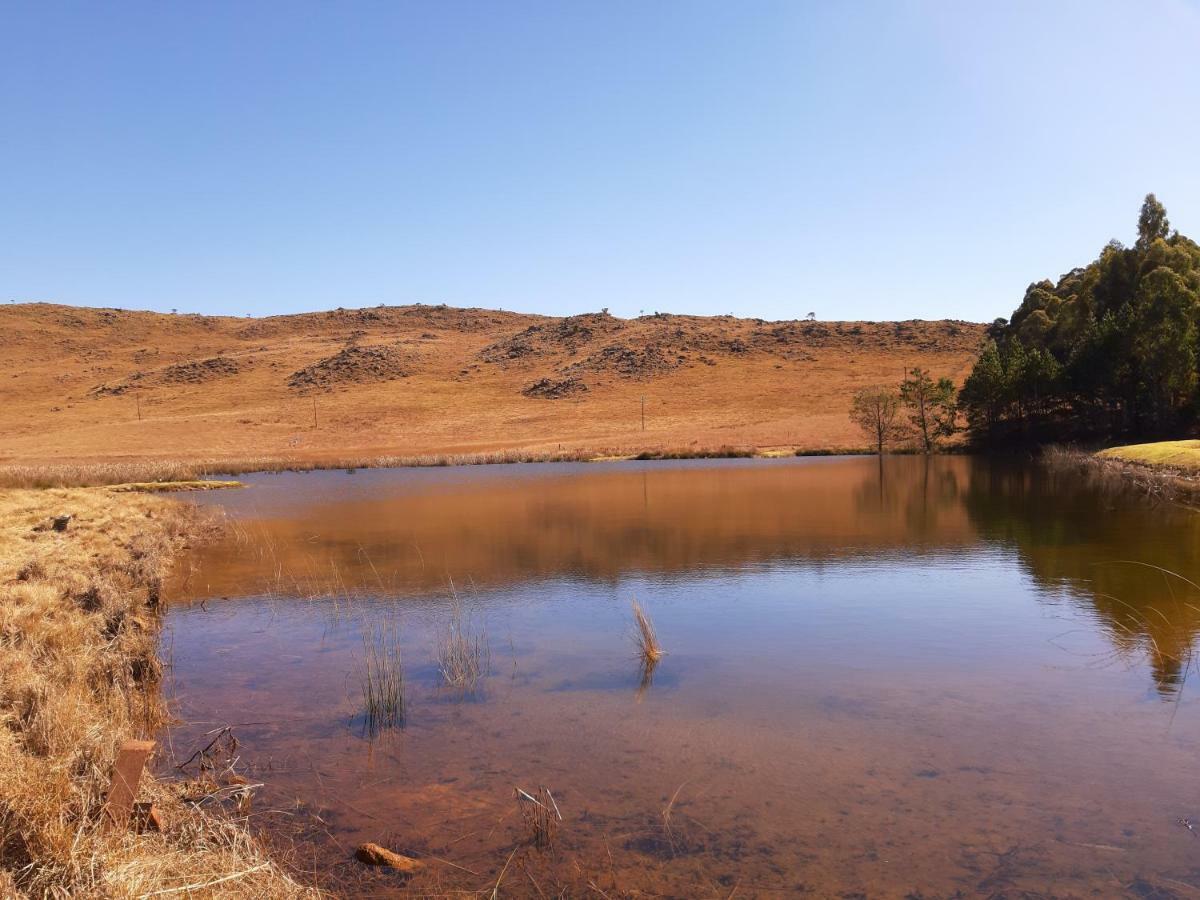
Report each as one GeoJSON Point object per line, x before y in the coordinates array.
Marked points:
{"type": "Point", "coordinates": [81, 384]}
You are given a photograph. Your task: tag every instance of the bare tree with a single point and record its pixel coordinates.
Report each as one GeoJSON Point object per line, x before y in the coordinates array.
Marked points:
{"type": "Point", "coordinates": [876, 410]}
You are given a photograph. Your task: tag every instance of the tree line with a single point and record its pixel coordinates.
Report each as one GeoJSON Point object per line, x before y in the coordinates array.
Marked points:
{"type": "Point", "coordinates": [1110, 350]}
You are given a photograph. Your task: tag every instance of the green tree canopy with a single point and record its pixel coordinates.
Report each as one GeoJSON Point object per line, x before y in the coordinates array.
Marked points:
{"type": "Point", "coordinates": [931, 405]}
{"type": "Point", "coordinates": [1152, 223]}
{"type": "Point", "coordinates": [1110, 348]}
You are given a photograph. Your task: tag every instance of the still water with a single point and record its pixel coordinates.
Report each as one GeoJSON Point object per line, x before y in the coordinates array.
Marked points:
{"type": "Point", "coordinates": [927, 678]}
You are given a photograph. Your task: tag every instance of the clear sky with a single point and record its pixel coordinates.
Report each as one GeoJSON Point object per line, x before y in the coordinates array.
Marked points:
{"type": "Point", "coordinates": [857, 160]}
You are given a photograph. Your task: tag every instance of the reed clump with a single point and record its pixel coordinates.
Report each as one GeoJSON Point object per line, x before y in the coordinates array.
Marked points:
{"type": "Point", "coordinates": [649, 648]}
{"type": "Point", "coordinates": [80, 615]}
{"type": "Point", "coordinates": [463, 654]}
{"type": "Point", "coordinates": [540, 815]}
{"type": "Point", "coordinates": [383, 678]}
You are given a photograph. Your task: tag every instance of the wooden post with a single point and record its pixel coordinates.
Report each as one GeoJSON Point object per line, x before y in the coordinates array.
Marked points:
{"type": "Point", "coordinates": [643, 413]}
{"type": "Point", "coordinates": [139, 404]}
{"type": "Point", "coordinates": [127, 775]}
{"type": "Point", "coordinates": [314, 399]}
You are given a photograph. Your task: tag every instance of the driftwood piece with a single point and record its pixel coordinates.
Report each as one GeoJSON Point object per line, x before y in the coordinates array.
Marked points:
{"type": "Point", "coordinates": [127, 775]}
{"type": "Point", "coordinates": [374, 855]}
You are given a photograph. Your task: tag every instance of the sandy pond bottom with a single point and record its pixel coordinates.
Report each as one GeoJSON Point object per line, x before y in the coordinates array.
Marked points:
{"type": "Point", "coordinates": [923, 678]}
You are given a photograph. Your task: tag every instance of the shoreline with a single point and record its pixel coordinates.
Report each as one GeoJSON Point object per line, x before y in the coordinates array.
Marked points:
{"type": "Point", "coordinates": [159, 475]}
{"type": "Point", "coordinates": [80, 623]}
{"type": "Point", "coordinates": [1158, 481]}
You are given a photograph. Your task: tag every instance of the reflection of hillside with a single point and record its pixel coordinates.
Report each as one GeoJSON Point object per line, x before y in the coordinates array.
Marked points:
{"type": "Point", "coordinates": [598, 524]}
{"type": "Point", "coordinates": [1078, 534]}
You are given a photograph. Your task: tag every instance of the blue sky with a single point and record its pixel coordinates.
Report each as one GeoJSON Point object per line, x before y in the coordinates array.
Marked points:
{"type": "Point", "coordinates": [858, 160]}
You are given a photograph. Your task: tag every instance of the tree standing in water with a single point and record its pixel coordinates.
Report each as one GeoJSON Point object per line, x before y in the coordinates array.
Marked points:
{"type": "Point", "coordinates": [931, 405]}
{"type": "Point", "coordinates": [876, 410]}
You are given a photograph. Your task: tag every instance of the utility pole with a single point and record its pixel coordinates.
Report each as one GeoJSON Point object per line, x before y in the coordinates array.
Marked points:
{"type": "Point", "coordinates": [139, 406]}
{"type": "Point", "coordinates": [314, 399]}
{"type": "Point", "coordinates": [643, 413]}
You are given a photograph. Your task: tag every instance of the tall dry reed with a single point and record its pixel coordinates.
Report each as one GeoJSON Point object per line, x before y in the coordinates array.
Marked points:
{"type": "Point", "coordinates": [383, 677]}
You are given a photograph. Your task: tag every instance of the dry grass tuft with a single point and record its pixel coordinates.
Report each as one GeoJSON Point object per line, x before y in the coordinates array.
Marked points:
{"type": "Point", "coordinates": [383, 678]}
{"type": "Point", "coordinates": [649, 648]}
{"type": "Point", "coordinates": [463, 654]}
{"type": "Point", "coordinates": [79, 674]}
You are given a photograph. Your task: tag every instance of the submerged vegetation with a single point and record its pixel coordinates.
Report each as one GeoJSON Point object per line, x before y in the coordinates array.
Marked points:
{"type": "Point", "coordinates": [540, 816]}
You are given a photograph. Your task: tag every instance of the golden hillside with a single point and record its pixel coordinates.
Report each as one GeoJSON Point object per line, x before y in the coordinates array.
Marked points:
{"type": "Point", "coordinates": [436, 379]}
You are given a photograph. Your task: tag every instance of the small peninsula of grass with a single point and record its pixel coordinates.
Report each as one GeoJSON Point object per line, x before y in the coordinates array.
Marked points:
{"type": "Point", "coordinates": [1180, 455]}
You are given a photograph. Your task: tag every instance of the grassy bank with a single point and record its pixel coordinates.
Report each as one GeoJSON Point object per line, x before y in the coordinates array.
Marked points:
{"type": "Point", "coordinates": [1180, 456]}
{"type": "Point", "coordinates": [79, 674]}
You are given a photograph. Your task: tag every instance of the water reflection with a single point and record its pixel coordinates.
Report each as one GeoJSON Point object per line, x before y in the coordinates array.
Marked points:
{"type": "Point", "coordinates": [601, 523]}
{"type": "Point", "coordinates": [412, 534]}
{"type": "Point", "coordinates": [1130, 560]}
{"type": "Point", "coordinates": [889, 677]}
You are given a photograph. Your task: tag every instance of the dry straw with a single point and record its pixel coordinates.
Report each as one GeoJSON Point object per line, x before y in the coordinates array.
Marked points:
{"type": "Point", "coordinates": [463, 654]}
{"type": "Point", "coordinates": [649, 648]}
{"type": "Point", "coordinates": [541, 817]}
{"type": "Point", "coordinates": [80, 615]}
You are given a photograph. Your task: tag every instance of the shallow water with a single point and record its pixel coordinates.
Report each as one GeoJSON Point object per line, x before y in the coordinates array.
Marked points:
{"type": "Point", "coordinates": [946, 677]}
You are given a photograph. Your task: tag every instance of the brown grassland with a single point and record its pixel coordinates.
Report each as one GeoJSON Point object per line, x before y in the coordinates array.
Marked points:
{"type": "Point", "coordinates": [110, 395]}
{"type": "Point", "coordinates": [79, 674]}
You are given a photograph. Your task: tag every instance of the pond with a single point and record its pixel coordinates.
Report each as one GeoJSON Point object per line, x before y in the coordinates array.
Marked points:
{"type": "Point", "coordinates": [915, 677]}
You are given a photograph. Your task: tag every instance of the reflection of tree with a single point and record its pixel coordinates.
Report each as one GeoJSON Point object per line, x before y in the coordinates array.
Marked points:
{"type": "Point", "coordinates": [921, 491]}
{"type": "Point", "coordinates": [1117, 551]}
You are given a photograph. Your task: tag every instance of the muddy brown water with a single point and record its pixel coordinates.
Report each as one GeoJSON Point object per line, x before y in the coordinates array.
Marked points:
{"type": "Point", "coordinates": [925, 678]}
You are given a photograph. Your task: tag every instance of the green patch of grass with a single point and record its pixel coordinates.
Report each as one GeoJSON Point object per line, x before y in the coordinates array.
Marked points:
{"type": "Point", "coordinates": [1170, 454]}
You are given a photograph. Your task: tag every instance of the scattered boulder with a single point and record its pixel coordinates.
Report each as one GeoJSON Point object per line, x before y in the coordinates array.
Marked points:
{"type": "Point", "coordinates": [119, 388]}
{"type": "Point", "coordinates": [556, 337]}
{"type": "Point", "coordinates": [629, 362]}
{"type": "Point", "coordinates": [550, 389]}
{"type": "Point", "coordinates": [201, 370]}
{"type": "Point", "coordinates": [353, 365]}
{"type": "Point", "coordinates": [516, 347]}
{"type": "Point", "coordinates": [374, 855]}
